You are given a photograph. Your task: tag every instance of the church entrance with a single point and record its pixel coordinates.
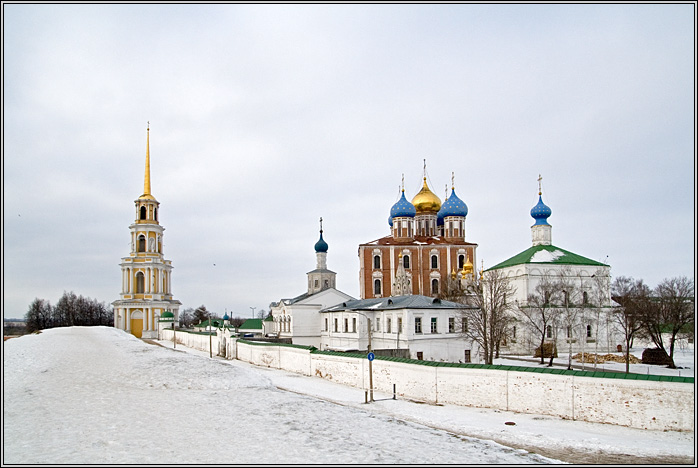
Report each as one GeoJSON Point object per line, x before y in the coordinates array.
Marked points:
{"type": "Point", "coordinates": [137, 324]}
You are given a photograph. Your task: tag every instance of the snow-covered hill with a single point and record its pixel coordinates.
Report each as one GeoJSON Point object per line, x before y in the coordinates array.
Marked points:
{"type": "Point", "coordinates": [100, 396]}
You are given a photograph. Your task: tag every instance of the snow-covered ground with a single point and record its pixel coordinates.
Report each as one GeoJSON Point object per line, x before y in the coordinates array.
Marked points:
{"type": "Point", "coordinates": [100, 396]}
{"type": "Point", "coordinates": [684, 358]}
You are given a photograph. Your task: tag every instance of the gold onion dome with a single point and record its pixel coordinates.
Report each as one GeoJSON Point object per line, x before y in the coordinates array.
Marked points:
{"type": "Point", "coordinates": [425, 201]}
{"type": "Point", "coordinates": [467, 266]}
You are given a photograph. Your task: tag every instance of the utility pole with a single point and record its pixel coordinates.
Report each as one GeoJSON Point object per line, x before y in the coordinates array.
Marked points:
{"type": "Point", "coordinates": [210, 340]}
{"type": "Point", "coordinates": [253, 308]}
{"type": "Point", "coordinates": [370, 362]}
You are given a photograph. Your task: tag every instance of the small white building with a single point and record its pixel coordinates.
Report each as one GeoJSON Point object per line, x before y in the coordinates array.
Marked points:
{"type": "Point", "coordinates": [299, 318]}
{"type": "Point", "coordinates": [425, 328]}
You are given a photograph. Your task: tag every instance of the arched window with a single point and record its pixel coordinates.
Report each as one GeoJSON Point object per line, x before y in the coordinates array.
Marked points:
{"type": "Point", "coordinates": [461, 261]}
{"type": "Point", "coordinates": [585, 298]}
{"type": "Point", "coordinates": [156, 214]}
{"type": "Point", "coordinates": [376, 262]}
{"type": "Point", "coordinates": [549, 331]}
{"type": "Point", "coordinates": [140, 282]}
{"type": "Point", "coordinates": [434, 261]}
{"type": "Point", "coordinates": [406, 261]}
{"type": "Point", "coordinates": [144, 212]}
{"type": "Point", "coordinates": [377, 287]}
{"type": "Point", "coordinates": [434, 286]}
{"type": "Point", "coordinates": [588, 331]}
{"type": "Point", "coordinates": [141, 243]}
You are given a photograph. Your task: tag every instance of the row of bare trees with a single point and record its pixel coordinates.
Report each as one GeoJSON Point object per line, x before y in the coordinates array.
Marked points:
{"type": "Point", "coordinates": [568, 302]}
{"type": "Point", "coordinates": [70, 310]}
{"type": "Point", "coordinates": [662, 315]}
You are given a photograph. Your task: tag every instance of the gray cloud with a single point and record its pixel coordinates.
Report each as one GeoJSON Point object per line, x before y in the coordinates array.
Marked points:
{"type": "Point", "coordinates": [266, 117]}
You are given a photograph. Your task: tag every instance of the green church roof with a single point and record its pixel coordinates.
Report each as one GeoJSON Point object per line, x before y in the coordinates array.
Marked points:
{"type": "Point", "coordinates": [251, 324]}
{"type": "Point", "coordinates": [547, 254]}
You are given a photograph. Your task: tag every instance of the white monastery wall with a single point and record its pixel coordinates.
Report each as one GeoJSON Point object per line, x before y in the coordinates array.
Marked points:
{"type": "Point", "coordinates": [636, 403]}
{"type": "Point", "coordinates": [532, 392]}
{"type": "Point", "coordinates": [644, 404]}
{"type": "Point", "coordinates": [411, 381]}
{"type": "Point", "coordinates": [481, 388]}
{"type": "Point", "coordinates": [340, 369]}
{"type": "Point", "coordinates": [295, 360]}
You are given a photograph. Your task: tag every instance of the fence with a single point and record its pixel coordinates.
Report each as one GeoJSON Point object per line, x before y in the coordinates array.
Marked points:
{"type": "Point", "coordinates": [633, 400]}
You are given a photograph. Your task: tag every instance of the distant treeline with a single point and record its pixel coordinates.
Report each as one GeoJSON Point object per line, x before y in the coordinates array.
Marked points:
{"type": "Point", "coordinates": [70, 310]}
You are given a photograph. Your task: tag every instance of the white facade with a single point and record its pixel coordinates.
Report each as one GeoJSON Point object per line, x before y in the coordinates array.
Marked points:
{"type": "Point", "coordinates": [426, 327]}
{"type": "Point", "coordinates": [299, 319]}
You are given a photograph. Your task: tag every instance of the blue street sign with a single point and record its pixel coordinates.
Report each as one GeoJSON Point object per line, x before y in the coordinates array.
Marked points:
{"type": "Point", "coordinates": [371, 356]}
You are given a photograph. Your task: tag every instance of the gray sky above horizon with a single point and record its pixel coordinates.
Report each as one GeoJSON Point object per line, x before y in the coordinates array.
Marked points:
{"type": "Point", "coordinates": [264, 118]}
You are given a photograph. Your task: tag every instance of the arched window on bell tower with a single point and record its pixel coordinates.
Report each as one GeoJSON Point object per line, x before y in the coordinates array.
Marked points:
{"type": "Point", "coordinates": [143, 213]}
{"type": "Point", "coordinates": [140, 283]}
{"type": "Point", "coordinates": [141, 243]}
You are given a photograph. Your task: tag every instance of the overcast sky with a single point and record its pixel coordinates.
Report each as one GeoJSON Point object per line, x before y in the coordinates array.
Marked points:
{"type": "Point", "coordinates": [264, 118]}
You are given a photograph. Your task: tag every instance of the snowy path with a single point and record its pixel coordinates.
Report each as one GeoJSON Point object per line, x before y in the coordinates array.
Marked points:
{"type": "Point", "coordinates": [97, 395]}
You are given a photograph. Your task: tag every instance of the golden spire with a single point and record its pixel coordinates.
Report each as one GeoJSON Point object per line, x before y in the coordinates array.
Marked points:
{"type": "Point", "coordinates": [146, 183]}
{"type": "Point", "coordinates": [540, 192]}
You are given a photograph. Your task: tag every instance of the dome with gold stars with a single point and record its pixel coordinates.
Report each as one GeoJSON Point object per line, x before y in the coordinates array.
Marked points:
{"type": "Point", "coordinates": [425, 201]}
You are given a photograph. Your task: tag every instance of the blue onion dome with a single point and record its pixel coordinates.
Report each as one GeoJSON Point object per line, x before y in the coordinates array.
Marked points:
{"type": "Point", "coordinates": [541, 211]}
{"type": "Point", "coordinates": [453, 206]}
{"type": "Point", "coordinates": [226, 317]}
{"type": "Point", "coordinates": [402, 209]}
{"type": "Point", "coordinates": [321, 245]}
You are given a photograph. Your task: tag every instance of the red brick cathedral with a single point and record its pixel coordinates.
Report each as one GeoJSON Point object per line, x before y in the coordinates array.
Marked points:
{"type": "Point", "coordinates": [425, 250]}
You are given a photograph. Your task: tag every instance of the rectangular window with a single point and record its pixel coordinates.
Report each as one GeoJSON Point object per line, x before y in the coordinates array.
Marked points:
{"type": "Point", "coordinates": [353, 325]}
{"type": "Point", "coordinates": [434, 328]}
{"type": "Point", "coordinates": [420, 355]}
{"type": "Point", "coordinates": [399, 324]}
{"type": "Point", "coordinates": [464, 325]}
{"type": "Point", "coordinates": [467, 355]}
{"type": "Point", "coordinates": [335, 325]}
{"type": "Point", "coordinates": [418, 324]}
{"type": "Point", "coordinates": [451, 324]}
{"type": "Point", "coordinates": [388, 326]}
{"type": "Point", "coordinates": [378, 324]}
{"type": "Point", "coordinates": [346, 325]}
{"type": "Point", "coordinates": [326, 324]}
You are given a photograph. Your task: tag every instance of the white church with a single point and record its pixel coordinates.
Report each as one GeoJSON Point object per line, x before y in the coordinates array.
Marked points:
{"type": "Point", "coordinates": [593, 328]}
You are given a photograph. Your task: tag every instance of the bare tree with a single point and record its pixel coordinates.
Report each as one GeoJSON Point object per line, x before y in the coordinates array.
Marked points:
{"type": "Point", "coordinates": [673, 311]}
{"type": "Point", "coordinates": [200, 314]}
{"type": "Point", "coordinates": [488, 321]}
{"type": "Point", "coordinates": [569, 293]}
{"type": "Point", "coordinates": [599, 302]}
{"type": "Point", "coordinates": [634, 299]}
{"type": "Point", "coordinates": [186, 317]}
{"type": "Point", "coordinates": [38, 317]}
{"type": "Point", "coordinates": [540, 314]}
